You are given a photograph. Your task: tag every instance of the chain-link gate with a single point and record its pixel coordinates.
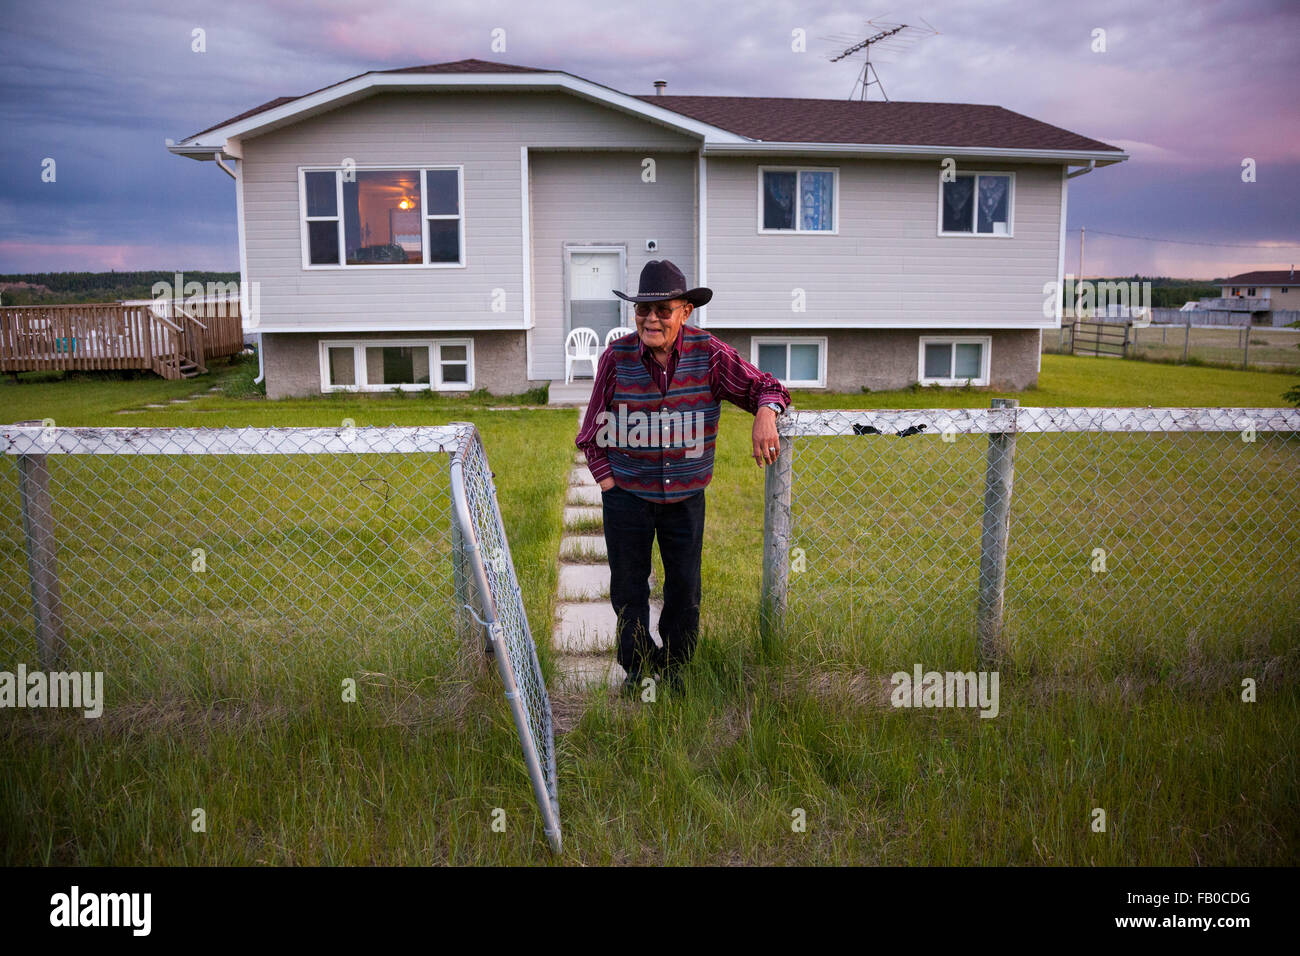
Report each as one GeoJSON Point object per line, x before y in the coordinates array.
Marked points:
{"type": "Point", "coordinates": [206, 564]}
{"type": "Point", "coordinates": [1016, 527]}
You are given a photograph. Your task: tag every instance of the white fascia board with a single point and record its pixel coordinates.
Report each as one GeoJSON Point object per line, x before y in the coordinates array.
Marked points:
{"type": "Point", "coordinates": [362, 86]}
{"type": "Point", "coordinates": [811, 325]}
{"type": "Point", "coordinates": [882, 151]}
{"type": "Point", "coordinates": [413, 325]}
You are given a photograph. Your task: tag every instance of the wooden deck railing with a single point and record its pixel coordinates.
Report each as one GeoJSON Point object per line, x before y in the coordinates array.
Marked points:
{"type": "Point", "coordinates": [173, 342]}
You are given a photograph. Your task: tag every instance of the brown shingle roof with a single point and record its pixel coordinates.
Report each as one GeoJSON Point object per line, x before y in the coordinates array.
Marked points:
{"type": "Point", "coordinates": [1263, 277]}
{"type": "Point", "coordinates": [791, 120]}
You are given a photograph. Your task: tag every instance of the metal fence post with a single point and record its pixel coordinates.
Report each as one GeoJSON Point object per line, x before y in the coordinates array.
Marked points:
{"type": "Point", "coordinates": [461, 584]}
{"type": "Point", "coordinates": [42, 564]}
{"type": "Point", "coordinates": [1187, 336]}
{"type": "Point", "coordinates": [994, 530]}
{"type": "Point", "coordinates": [1245, 349]}
{"type": "Point", "coordinates": [776, 543]}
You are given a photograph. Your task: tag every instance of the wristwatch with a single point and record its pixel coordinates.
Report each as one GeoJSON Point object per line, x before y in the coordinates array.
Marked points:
{"type": "Point", "coordinates": [775, 406]}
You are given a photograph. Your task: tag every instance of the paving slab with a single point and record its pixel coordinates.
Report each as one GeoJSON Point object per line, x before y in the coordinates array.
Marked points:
{"type": "Point", "coordinates": [583, 582]}
{"type": "Point", "coordinates": [584, 495]}
{"type": "Point", "coordinates": [581, 476]}
{"type": "Point", "coordinates": [573, 515]}
{"type": "Point", "coordinates": [587, 627]}
{"type": "Point", "coordinates": [583, 546]}
{"type": "Point", "coordinates": [582, 673]}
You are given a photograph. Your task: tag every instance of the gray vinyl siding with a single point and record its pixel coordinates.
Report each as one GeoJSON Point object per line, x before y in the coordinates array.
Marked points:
{"type": "Point", "coordinates": [600, 199]}
{"type": "Point", "coordinates": [481, 131]}
{"type": "Point", "coordinates": [887, 267]}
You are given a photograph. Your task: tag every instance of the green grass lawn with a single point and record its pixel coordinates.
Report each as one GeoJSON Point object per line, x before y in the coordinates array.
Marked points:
{"type": "Point", "coordinates": [1151, 729]}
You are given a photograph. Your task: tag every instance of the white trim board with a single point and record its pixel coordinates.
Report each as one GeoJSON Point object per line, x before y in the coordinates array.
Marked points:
{"type": "Point", "coordinates": [362, 86]}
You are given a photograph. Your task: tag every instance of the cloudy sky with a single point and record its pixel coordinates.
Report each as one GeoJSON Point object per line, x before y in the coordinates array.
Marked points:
{"type": "Point", "coordinates": [1190, 87]}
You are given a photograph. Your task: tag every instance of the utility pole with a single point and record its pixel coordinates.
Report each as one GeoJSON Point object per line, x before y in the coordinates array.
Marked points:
{"type": "Point", "coordinates": [1078, 285]}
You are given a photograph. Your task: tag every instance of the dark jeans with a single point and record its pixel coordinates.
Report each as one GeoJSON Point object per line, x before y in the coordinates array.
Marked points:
{"type": "Point", "coordinates": [631, 524]}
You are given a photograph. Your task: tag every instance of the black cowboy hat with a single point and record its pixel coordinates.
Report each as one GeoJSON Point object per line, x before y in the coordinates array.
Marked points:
{"type": "Point", "coordinates": [661, 281]}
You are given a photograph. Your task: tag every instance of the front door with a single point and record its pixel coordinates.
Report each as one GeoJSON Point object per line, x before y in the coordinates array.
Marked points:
{"type": "Point", "coordinates": [593, 273]}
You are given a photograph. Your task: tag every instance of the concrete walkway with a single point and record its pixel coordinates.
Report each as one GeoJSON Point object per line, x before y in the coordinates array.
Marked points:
{"type": "Point", "coordinates": [584, 636]}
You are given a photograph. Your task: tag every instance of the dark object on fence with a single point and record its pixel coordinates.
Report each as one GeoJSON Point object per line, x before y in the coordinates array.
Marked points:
{"type": "Point", "coordinates": [908, 432]}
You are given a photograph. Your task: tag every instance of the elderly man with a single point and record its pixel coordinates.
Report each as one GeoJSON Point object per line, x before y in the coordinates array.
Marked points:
{"type": "Point", "coordinates": [648, 437]}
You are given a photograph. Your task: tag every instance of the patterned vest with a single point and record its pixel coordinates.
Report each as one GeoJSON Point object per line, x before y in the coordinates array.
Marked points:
{"type": "Point", "coordinates": [661, 446]}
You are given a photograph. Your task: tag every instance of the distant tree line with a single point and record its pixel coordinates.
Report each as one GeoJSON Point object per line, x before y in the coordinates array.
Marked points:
{"type": "Point", "coordinates": [1168, 293]}
{"type": "Point", "coordinates": [63, 288]}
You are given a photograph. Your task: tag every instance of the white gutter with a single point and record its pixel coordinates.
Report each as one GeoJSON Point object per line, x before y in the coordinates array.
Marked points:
{"type": "Point", "coordinates": [224, 168]}
{"type": "Point", "coordinates": [1082, 172]}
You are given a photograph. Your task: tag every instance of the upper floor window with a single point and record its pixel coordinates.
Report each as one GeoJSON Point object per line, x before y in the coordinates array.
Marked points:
{"type": "Point", "coordinates": [797, 200]}
{"type": "Point", "coordinates": [977, 204]}
{"type": "Point", "coordinates": [382, 217]}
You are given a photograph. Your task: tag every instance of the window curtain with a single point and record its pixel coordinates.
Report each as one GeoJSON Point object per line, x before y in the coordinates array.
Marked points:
{"type": "Point", "coordinates": [778, 200]}
{"type": "Point", "coordinates": [993, 201]}
{"type": "Point", "coordinates": [816, 201]}
{"type": "Point", "coordinates": [957, 204]}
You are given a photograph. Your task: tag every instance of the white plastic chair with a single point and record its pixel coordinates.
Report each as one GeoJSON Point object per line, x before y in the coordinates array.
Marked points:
{"type": "Point", "coordinates": [580, 345]}
{"type": "Point", "coordinates": [613, 334]}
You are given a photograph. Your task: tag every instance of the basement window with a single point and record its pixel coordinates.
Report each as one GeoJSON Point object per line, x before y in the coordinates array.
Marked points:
{"type": "Point", "coordinates": [377, 365]}
{"type": "Point", "coordinates": [795, 362]}
{"type": "Point", "coordinates": [955, 360]}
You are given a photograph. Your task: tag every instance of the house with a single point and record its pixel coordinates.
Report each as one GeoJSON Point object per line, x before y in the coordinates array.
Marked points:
{"type": "Point", "coordinates": [1262, 291]}
{"type": "Point", "coordinates": [447, 225]}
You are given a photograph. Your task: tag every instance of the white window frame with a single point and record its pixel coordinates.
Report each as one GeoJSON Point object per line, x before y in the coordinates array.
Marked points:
{"type": "Point", "coordinates": [797, 231]}
{"type": "Point", "coordinates": [425, 216]}
{"type": "Point", "coordinates": [986, 358]}
{"type": "Point", "coordinates": [787, 340]}
{"type": "Point", "coordinates": [1011, 206]}
{"type": "Point", "coordinates": [359, 347]}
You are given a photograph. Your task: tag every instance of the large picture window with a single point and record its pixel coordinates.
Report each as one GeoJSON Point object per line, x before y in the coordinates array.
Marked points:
{"type": "Point", "coordinates": [977, 204]}
{"type": "Point", "coordinates": [364, 218]}
{"type": "Point", "coordinates": [375, 365]}
{"type": "Point", "coordinates": [797, 200]}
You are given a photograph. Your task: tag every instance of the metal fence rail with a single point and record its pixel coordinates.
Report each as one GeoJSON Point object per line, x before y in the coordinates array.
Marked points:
{"type": "Point", "coordinates": [213, 563]}
{"type": "Point", "coordinates": [1019, 528]}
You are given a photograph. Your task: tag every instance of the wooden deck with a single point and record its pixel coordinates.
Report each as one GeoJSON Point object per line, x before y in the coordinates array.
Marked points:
{"type": "Point", "coordinates": [174, 341]}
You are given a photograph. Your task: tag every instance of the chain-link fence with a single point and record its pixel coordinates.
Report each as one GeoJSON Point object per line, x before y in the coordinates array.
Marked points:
{"type": "Point", "coordinates": [1042, 531]}
{"type": "Point", "coordinates": [209, 564]}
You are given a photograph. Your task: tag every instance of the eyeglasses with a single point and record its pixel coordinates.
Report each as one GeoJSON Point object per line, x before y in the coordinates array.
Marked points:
{"type": "Point", "coordinates": [663, 311]}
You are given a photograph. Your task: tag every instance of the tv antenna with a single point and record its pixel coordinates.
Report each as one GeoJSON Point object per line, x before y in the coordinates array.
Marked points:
{"type": "Point", "coordinates": [887, 38]}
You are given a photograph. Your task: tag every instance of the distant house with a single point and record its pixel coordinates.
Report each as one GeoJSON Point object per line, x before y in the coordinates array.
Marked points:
{"type": "Point", "coordinates": [446, 226]}
{"type": "Point", "coordinates": [1262, 291]}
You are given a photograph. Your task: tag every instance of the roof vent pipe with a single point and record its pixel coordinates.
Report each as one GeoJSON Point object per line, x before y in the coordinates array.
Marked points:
{"type": "Point", "coordinates": [659, 87]}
